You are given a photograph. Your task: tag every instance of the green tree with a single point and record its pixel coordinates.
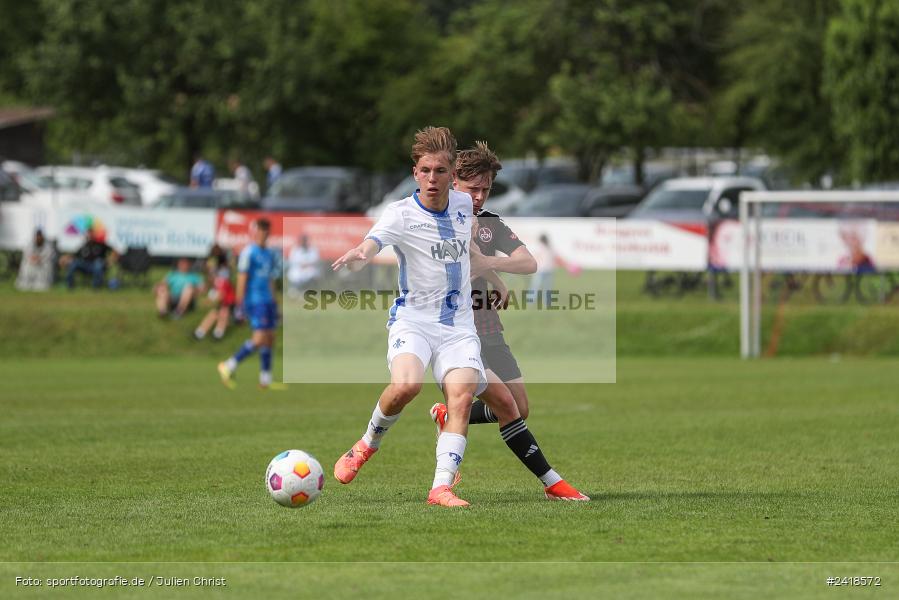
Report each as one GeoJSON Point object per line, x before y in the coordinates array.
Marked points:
{"type": "Point", "coordinates": [862, 84]}
{"type": "Point", "coordinates": [619, 87]}
{"type": "Point", "coordinates": [147, 81]}
{"type": "Point", "coordinates": [20, 27]}
{"type": "Point", "coordinates": [774, 94]}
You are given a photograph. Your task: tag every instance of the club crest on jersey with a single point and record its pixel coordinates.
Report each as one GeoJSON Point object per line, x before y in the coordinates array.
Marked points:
{"type": "Point", "coordinates": [460, 218]}
{"type": "Point", "coordinates": [452, 249]}
{"type": "Point", "coordinates": [485, 234]}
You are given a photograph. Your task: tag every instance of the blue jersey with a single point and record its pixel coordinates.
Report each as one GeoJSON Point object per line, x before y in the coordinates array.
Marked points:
{"type": "Point", "coordinates": [202, 174]}
{"type": "Point", "coordinates": [260, 265]}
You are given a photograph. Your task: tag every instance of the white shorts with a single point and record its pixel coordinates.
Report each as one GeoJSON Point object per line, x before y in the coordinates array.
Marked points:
{"type": "Point", "coordinates": [441, 347]}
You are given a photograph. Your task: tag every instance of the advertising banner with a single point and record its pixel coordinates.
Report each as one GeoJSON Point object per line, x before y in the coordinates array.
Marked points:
{"type": "Point", "coordinates": [332, 235]}
{"type": "Point", "coordinates": [170, 232]}
{"type": "Point", "coordinates": [622, 244]}
{"type": "Point", "coordinates": [886, 254]}
{"type": "Point", "coordinates": [809, 245]}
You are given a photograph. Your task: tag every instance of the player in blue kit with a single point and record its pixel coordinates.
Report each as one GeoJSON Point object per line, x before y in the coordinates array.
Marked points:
{"type": "Point", "coordinates": [256, 272]}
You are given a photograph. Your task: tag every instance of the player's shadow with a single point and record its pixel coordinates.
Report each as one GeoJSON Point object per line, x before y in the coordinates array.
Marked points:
{"type": "Point", "coordinates": [697, 495]}
{"type": "Point", "coordinates": [725, 496]}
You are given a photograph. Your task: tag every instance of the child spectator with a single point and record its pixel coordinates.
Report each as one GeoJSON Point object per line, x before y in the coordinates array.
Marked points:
{"type": "Point", "coordinates": [221, 293]}
{"type": "Point", "coordinates": [178, 291]}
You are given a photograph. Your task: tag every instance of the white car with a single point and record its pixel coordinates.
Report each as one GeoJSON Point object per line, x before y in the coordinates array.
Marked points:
{"type": "Point", "coordinates": [695, 199]}
{"type": "Point", "coordinates": [102, 185]}
{"type": "Point", "coordinates": [38, 192]}
{"type": "Point", "coordinates": [153, 184]}
{"type": "Point", "coordinates": [502, 194]}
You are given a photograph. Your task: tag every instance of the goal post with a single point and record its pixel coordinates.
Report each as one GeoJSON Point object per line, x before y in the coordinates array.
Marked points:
{"type": "Point", "coordinates": [751, 213]}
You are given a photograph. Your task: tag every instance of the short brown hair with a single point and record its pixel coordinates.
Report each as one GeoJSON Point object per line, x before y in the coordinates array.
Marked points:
{"type": "Point", "coordinates": [263, 224]}
{"type": "Point", "coordinates": [477, 161]}
{"type": "Point", "coordinates": [433, 140]}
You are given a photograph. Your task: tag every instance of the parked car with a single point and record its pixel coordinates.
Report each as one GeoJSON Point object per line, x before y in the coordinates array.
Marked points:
{"type": "Point", "coordinates": [529, 174]}
{"type": "Point", "coordinates": [185, 197]}
{"type": "Point", "coordinates": [696, 199]}
{"type": "Point", "coordinates": [103, 185]}
{"type": "Point", "coordinates": [319, 189]}
{"type": "Point", "coordinates": [38, 192]}
{"type": "Point", "coordinates": [502, 194]}
{"type": "Point", "coordinates": [654, 173]}
{"type": "Point", "coordinates": [230, 184]}
{"type": "Point", "coordinates": [153, 184]}
{"type": "Point", "coordinates": [9, 189]}
{"type": "Point", "coordinates": [612, 200]}
{"type": "Point", "coordinates": [560, 200]}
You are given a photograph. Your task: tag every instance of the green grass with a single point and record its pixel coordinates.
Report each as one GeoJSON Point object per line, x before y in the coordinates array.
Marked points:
{"type": "Point", "coordinates": [85, 323]}
{"type": "Point", "coordinates": [689, 461]}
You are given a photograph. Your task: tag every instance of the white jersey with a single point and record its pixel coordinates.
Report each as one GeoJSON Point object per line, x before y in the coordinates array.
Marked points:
{"type": "Point", "coordinates": [433, 253]}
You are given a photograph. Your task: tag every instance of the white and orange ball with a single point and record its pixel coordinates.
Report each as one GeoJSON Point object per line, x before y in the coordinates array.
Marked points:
{"type": "Point", "coordinates": [294, 479]}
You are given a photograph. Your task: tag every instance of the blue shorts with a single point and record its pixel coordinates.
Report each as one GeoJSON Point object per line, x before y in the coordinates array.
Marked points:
{"type": "Point", "coordinates": [262, 316]}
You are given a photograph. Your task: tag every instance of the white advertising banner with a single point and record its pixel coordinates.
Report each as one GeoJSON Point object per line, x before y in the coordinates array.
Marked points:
{"type": "Point", "coordinates": [619, 244]}
{"type": "Point", "coordinates": [886, 257]}
{"type": "Point", "coordinates": [170, 232]}
{"type": "Point", "coordinates": [815, 245]}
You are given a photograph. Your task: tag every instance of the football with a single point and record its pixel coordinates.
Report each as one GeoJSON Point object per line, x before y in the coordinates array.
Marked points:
{"type": "Point", "coordinates": [294, 479]}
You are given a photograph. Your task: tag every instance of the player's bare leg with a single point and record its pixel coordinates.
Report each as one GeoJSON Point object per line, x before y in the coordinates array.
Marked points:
{"type": "Point", "coordinates": [521, 441]}
{"type": "Point", "coordinates": [459, 386]}
{"type": "Point", "coordinates": [520, 394]}
{"type": "Point", "coordinates": [406, 375]}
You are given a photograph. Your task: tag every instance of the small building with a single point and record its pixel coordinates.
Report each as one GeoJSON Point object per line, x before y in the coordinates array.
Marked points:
{"type": "Point", "coordinates": [22, 133]}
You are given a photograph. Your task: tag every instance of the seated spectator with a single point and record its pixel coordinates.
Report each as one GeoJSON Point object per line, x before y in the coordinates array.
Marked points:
{"type": "Point", "coordinates": [91, 259]}
{"type": "Point", "coordinates": [302, 266]}
{"type": "Point", "coordinates": [176, 294]}
{"type": "Point", "coordinates": [36, 270]}
{"type": "Point", "coordinates": [222, 294]}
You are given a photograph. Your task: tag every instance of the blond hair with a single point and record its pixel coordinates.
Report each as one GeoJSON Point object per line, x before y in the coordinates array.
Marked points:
{"type": "Point", "coordinates": [433, 140]}
{"type": "Point", "coordinates": [477, 161]}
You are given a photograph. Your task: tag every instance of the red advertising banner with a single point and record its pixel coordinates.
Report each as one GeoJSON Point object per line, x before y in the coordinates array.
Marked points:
{"type": "Point", "coordinates": [332, 235]}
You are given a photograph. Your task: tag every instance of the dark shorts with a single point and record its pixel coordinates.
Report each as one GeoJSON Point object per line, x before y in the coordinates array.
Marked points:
{"type": "Point", "coordinates": [262, 316]}
{"type": "Point", "coordinates": [497, 356]}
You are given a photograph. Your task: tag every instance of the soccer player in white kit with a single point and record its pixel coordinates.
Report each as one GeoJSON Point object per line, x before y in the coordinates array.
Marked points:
{"type": "Point", "coordinates": [431, 323]}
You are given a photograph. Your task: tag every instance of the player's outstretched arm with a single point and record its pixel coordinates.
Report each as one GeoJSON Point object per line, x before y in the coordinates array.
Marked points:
{"type": "Point", "coordinates": [356, 258]}
{"type": "Point", "coordinates": [519, 262]}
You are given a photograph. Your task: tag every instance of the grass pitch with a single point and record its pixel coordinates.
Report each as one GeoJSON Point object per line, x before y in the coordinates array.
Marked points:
{"type": "Point", "coordinates": [689, 462]}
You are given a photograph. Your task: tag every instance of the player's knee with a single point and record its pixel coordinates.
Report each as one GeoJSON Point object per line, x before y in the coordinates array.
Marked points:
{"type": "Point", "coordinates": [404, 392]}
{"type": "Point", "coordinates": [523, 411]}
{"type": "Point", "coordinates": [500, 401]}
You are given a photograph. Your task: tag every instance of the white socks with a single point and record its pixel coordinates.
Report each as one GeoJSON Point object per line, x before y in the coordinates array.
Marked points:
{"type": "Point", "coordinates": [377, 427]}
{"type": "Point", "coordinates": [450, 450]}
{"type": "Point", "coordinates": [550, 478]}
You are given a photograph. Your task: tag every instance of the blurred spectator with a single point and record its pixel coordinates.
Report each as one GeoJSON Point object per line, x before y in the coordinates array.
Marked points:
{"type": "Point", "coordinates": [221, 293]}
{"type": "Point", "coordinates": [202, 173]}
{"type": "Point", "coordinates": [178, 291]}
{"type": "Point", "coordinates": [272, 172]}
{"type": "Point", "coordinates": [91, 259]}
{"type": "Point", "coordinates": [547, 261]}
{"type": "Point", "coordinates": [246, 185]}
{"type": "Point", "coordinates": [302, 266]}
{"type": "Point", "coordinates": [36, 270]}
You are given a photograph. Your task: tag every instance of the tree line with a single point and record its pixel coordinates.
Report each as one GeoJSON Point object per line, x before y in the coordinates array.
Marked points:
{"type": "Point", "coordinates": [813, 82]}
